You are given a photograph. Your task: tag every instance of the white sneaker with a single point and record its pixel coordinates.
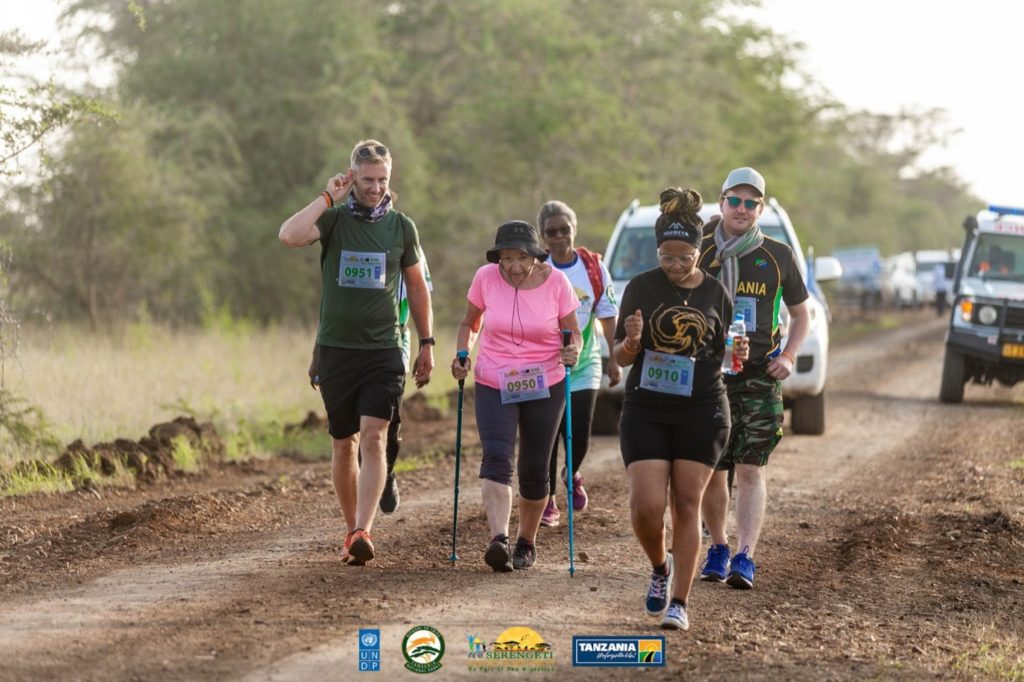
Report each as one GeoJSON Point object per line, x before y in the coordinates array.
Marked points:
{"type": "Point", "coordinates": [675, 618]}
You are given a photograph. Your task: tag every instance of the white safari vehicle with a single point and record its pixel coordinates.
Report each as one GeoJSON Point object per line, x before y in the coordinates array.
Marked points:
{"type": "Point", "coordinates": [631, 250]}
{"type": "Point", "coordinates": [985, 341]}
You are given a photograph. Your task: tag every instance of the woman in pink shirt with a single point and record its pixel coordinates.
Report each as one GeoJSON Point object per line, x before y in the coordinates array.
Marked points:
{"type": "Point", "coordinates": [519, 373]}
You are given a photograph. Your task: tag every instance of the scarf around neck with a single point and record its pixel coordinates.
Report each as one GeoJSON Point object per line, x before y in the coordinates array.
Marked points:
{"type": "Point", "coordinates": [731, 249]}
{"type": "Point", "coordinates": [369, 215]}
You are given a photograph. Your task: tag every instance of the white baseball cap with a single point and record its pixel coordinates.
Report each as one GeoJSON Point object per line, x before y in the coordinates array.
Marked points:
{"type": "Point", "coordinates": [744, 176]}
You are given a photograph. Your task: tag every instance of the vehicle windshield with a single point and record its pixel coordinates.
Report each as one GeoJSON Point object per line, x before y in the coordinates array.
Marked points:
{"type": "Point", "coordinates": [998, 257]}
{"type": "Point", "coordinates": [636, 251]}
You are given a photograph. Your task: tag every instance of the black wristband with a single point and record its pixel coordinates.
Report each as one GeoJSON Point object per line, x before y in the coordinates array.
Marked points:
{"type": "Point", "coordinates": [427, 341]}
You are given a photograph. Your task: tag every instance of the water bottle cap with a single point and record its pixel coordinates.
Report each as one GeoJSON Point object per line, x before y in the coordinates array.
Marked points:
{"type": "Point", "coordinates": [739, 318]}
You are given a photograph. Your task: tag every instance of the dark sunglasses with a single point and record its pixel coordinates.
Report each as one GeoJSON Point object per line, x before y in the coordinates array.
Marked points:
{"type": "Point", "coordinates": [368, 152]}
{"type": "Point", "coordinates": [557, 231]}
{"type": "Point", "coordinates": [749, 204]}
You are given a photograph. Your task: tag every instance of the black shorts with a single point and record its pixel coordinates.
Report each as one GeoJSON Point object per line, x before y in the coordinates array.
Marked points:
{"type": "Point", "coordinates": [358, 383]}
{"type": "Point", "coordinates": [640, 440]}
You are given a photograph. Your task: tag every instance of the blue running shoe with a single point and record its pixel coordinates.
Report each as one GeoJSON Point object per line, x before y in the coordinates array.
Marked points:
{"type": "Point", "coordinates": [676, 618]}
{"type": "Point", "coordinates": [716, 566]}
{"type": "Point", "coordinates": [657, 593]}
{"type": "Point", "coordinates": [741, 571]}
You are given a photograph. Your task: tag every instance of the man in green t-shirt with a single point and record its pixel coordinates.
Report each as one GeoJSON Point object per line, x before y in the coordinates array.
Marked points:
{"type": "Point", "coordinates": [369, 251]}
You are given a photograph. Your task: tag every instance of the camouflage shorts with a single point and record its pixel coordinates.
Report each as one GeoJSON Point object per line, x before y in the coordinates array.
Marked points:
{"type": "Point", "coordinates": [756, 406]}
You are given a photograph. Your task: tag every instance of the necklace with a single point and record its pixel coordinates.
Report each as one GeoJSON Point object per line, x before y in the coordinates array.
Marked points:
{"type": "Point", "coordinates": [676, 288]}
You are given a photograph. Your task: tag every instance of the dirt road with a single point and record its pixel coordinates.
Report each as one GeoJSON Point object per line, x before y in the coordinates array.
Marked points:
{"type": "Point", "coordinates": [894, 547]}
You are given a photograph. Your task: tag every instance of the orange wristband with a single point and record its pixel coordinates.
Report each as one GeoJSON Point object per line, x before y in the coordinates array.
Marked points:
{"type": "Point", "coordinates": [327, 197]}
{"type": "Point", "coordinates": [792, 360]}
{"type": "Point", "coordinates": [631, 351]}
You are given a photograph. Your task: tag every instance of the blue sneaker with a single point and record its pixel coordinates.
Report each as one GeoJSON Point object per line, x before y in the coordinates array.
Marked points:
{"type": "Point", "coordinates": [716, 566]}
{"type": "Point", "coordinates": [676, 618]}
{"type": "Point", "coordinates": [657, 593]}
{"type": "Point", "coordinates": [741, 571]}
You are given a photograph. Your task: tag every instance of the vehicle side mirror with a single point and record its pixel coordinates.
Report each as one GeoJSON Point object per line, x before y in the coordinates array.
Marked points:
{"type": "Point", "coordinates": [970, 224]}
{"type": "Point", "coordinates": [827, 268]}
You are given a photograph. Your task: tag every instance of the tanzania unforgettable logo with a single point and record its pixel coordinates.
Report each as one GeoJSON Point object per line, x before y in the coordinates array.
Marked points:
{"type": "Point", "coordinates": [423, 648]}
{"type": "Point", "coordinates": [635, 652]}
{"type": "Point", "coordinates": [517, 649]}
{"type": "Point", "coordinates": [369, 650]}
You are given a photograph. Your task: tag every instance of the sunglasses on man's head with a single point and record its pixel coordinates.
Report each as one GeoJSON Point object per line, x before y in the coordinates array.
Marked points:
{"type": "Point", "coordinates": [749, 204]}
{"type": "Point", "coordinates": [368, 152]}
{"type": "Point", "coordinates": [562, 231]}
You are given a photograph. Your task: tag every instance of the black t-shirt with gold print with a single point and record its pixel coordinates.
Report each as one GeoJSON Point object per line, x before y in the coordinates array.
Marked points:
{"type": "Point", "coordinates": [678, 321]}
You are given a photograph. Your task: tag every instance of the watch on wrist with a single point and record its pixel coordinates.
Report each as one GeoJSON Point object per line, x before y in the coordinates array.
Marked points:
{"type": "Point", "coordinates": [427, 341]}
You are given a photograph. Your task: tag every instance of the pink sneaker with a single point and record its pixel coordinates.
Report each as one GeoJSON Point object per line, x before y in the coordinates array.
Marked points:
{"type": "Point", "coordinates": [579, 493]}
{"type": "Point", "coordinates": [551, 515]}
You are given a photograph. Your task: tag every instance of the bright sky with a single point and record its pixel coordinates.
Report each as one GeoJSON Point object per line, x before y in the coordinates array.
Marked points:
{"type": "Point", "coordinates": [883, 55]}
{"type": "Point", "coordinates": [880, 55]}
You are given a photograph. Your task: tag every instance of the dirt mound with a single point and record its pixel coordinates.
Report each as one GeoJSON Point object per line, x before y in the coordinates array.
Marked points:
{"type": "Point", "coordinates": [312, 422]}
{"type": "Point", "coordinates": [149, 458]}
{"type": "Point", "coordinates": [896, 537]}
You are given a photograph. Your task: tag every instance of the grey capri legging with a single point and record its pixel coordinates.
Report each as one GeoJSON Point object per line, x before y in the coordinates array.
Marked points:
{"type": "Point", "coordinates": [537, 423]}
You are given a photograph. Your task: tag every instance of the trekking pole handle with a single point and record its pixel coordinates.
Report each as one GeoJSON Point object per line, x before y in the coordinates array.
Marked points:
{"type": "Point", "coordinates": [462, 356]}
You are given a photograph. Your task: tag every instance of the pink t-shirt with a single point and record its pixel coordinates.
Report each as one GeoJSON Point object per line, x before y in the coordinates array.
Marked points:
{"type": "Point", "coordinates": [521, 329]}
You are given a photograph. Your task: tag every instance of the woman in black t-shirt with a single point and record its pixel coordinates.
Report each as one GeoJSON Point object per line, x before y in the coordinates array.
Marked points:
{"type": "Point", "coordinates": [675, 415]}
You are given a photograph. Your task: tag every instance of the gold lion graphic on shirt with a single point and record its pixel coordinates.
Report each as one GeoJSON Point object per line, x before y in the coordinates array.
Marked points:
{"type": "Point", "coordinates": [677, 330]}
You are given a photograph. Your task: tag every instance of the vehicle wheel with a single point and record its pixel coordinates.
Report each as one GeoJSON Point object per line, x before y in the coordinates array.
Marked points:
{"type": "Point", "coordinates": [808, 414]}
{"type": "Point", "coordinates": [953, 379]}
{"type": "Point", "coordinates": [606, 416]}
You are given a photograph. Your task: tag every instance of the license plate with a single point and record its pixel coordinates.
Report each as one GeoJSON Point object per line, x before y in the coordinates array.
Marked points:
{"type": "Point", "coordinates": [1013, 350]}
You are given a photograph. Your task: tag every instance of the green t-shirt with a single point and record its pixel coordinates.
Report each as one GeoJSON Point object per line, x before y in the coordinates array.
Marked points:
{"type": "Point", "coordinates": [361, 270]}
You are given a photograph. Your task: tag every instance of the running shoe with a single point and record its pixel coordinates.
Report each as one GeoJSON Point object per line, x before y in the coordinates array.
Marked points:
{"type": "Point", "coordinates": [389, 499]}
{"type": "Point", "coordinates": [741, 571]}
{"type": "Point", "coordinates": [525, 554]}
{"type": "Point", "coordinates": [657, 592]}
{"type": "Point", "coordinates": [551, 515]}
{"type": "Point", "coordinates": [579, 493]}
{"type": "Point", "coordinates": [347, 558]}
{"type": "Point", "coordinates": [498, 555]}
{"type": "Point", "coordinates": [675, 618]}
{"type": "Point", "coordinates": [716, 566]}
{"type": "Point", "coordinates": [360, 547]}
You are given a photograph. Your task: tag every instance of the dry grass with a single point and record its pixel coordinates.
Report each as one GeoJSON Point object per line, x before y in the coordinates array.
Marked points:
{"type": "Point", "coordinates": [103, 386]}
{"type": "Point", "coordinates": [98, 387]}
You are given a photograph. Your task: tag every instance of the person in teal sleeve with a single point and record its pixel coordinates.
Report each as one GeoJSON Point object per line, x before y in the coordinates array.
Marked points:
{"type": "Point", "coordinates": [597, 314]}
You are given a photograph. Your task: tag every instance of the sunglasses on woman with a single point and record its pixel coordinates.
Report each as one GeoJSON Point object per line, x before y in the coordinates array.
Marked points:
{"type": "Point", "coordinates": [749, 204]}
{"type": "Point", "coordinates": [563, 231]}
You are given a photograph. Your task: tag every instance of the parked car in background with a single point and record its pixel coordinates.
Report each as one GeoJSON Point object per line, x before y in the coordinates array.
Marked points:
{"type": "Point", "coordinates": [900, 288]}
{"type": "Point", "coordinates": [631, 250]}
{"type": "Point", "coordinates": [926, 267]}
{"type": "Point", "coordinates": [861, 282]}
{"type": "Point", "coordinates": [985, 340]}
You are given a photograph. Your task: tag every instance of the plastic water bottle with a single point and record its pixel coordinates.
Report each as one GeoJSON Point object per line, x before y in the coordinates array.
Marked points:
{"type": "Point", "coordinates": [731, 363]}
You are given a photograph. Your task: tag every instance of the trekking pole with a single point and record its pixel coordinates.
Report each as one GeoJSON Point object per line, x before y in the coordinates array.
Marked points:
{"type": "Point", "coordinates": [462, 355]}
{"type": "Point", "coordinates": [566, 340]}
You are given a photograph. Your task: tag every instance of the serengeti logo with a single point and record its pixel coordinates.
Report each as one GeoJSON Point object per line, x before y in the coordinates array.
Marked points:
{"type": "Point", "coordinates": [517, 649]}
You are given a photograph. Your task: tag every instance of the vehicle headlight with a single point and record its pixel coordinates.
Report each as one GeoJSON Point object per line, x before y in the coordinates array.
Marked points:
{"type": "Point", "coordinates": [987, 315]}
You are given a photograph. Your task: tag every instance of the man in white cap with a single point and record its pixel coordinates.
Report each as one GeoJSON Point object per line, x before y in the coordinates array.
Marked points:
{"type": "Point", "coordinates": [759, 273]}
